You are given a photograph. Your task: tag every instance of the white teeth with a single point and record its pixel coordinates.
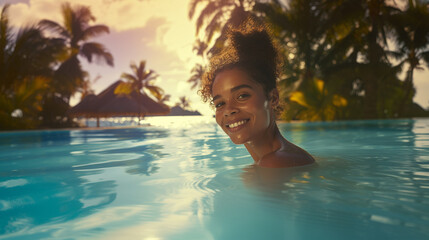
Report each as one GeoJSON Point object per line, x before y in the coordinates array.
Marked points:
{"type": "Point", "coordinates": [233, 125]}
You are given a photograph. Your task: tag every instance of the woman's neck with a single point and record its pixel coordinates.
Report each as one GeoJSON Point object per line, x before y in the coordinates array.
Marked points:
{"type": "Point", "coordinates": [268, 142]}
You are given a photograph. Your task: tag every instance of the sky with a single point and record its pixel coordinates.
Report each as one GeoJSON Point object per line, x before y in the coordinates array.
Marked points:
{"type": "Point", "coordinates": [158, 31]}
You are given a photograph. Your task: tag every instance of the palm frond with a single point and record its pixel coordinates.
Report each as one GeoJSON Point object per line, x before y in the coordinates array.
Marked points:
{"type": "Point", "coordinates": [97, 50]}
{"type": "Point", "coordinates": [425, 57]}
{"type": "Point", "coordinates": [184, 102]}
{"type": "Point", "coordinates": [4, 10]}
{"type": "Point", "coordinates": [210, 8]}
{"type": "Point", "coordinates": [4, 21]}
{"type": "Point", "coordinates": [156, 91]}
{"type": "Point", "coordinates": [134, 68]}
{"type": "Point", "coordinates": [237, 17]}
{"type": "Point", "coordinates": [68, 17]}
{"type": "Point", "coordinates": [129, 77]}
{"type": "Point", "coordinates": [400, 66]}
{"type": "Point", "coordinates": [192, 6]}
{"type": "Point", "coordinates": [54, 27]}
{"type": "Point", "coordinates": [149, 75]}
{"type": "Point", "coordinates": [94, 31]}
{"type": "Point", "coordinates": [83, 13]}
{"type": "Point", "coordinates": [213, 26]}
{"type": "Point", "coordinates": [5, 35]}
{"type": "Point", "coordinates": [194, 80]}
{"type": "Point", "coordinates": [200, 47]}
{"type": "Point", "coordinates": [163, 98]}
{"type": "Point", "coordinates": [397, 55]}
{"type": "Point", "coordinates": [198, 72]}
{"type": "Point", "coordinates": [339, 48]}
{"type": "Point", "coordinates": [274, 14]}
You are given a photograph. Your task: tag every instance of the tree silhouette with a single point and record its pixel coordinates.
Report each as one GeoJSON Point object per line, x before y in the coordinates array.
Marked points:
{"type": "Point", "coordinates": [336, 53]}
{"type": "Point", "coordinates": [26, 57]}
{"type": "Point", "coordinates": [76, 33]}
{"type": "Point", "coordinates": [140, 80]}
{"type": "Point", "coordinates": [310, 52]}
{"type": "Point", "coordinates": [164, 98]}
{"type": "Point", "coordinates": [197, 75]}
{"type": "Point", "coordinates": [217, 16]}
{"type": "Point", "coordinates": [183, 102]}
{"type": "Point", "coordinates": [199, 69]}
{"type": "Point", "coordinates": [412, 38]}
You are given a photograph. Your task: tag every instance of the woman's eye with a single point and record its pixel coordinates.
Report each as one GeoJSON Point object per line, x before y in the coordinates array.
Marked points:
{"type": "Point", "coordinates": [218, 105]}
{"type": "Point", "coordinates": [243, 96]}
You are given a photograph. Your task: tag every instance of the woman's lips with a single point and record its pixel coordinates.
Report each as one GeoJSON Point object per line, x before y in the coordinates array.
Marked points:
{"type": "Point", "coordinates": [236, 125]}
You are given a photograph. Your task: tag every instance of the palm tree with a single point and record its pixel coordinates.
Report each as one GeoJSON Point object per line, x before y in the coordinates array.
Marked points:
{"type": "Point", "coordinates": [412, 38]}
{"type": "Point", "coordinates": [200, 47]}
{"type": "Point", "coordinates": [76, 32]}
{"type": "Point", "coordinates": [26, 53]}
{"type": "Point", "coordinates": [374, 23]}
{"type": "Point", "coordinates": [140, 80]}
{"type": "Point", "coordinates": [164, 98]}
{"type": "Point", "coordinates": [197, 75]}
{"type": "Point", "coordinates": [218, 16]}
{"type": "Point", "coordinates": [26, 57]}
{"type": "Point", "coordinates": [311, 51]}
{"type": "Point", "coordinates": [349, 35]}
{"type": "Point", "coordinates": [183, 102]}
{"type": "Point", "coordinates": [320, 105]}
{"type": "Point", "coordinates": [199, 69]}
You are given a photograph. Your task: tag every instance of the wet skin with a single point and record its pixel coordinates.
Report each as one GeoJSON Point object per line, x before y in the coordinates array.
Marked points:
{"type": "Point", "coordinates": [246, 115]}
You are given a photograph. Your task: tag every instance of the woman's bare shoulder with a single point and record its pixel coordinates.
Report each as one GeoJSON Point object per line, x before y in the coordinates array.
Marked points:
{"type": "Point", "coordinates": [287, 157]}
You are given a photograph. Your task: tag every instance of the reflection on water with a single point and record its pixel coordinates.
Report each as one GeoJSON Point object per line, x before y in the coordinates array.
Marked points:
{"type": "Point", "coordinates": [184, 179]}
{"type": "Point", "coordinates": [58, 176]}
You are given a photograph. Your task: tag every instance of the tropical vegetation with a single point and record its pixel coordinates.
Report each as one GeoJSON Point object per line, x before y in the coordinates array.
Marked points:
{"type": "Point", "coordinates": [342, 59]}
{"type": "Point", "coordinates": [40, 67]}
{"type": "Point", "coordinates": [26, 60]}
{"type": "Point", "coordinates": [183, 102]}
{"type": "Point", "coordinates": [75, 33]}
{"type": "Point", "coordinates": [142, 81]}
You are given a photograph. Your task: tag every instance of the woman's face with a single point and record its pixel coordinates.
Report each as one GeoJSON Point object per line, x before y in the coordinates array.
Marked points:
{"type": "Point", "coordinates": [242, 108]}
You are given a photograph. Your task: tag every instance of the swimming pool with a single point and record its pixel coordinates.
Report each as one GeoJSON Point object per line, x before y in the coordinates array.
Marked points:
{"type": "Point", "coordinates": [184, 179]}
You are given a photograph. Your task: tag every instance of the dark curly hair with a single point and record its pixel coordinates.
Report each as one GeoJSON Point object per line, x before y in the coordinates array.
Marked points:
{"type": "Point", "coordinates": [251, 49]}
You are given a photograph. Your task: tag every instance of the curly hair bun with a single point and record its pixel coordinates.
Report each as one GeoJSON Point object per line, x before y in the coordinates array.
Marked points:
{"type": "Point", "coordinates": [256, 47]}
{"type": "Point", "coordinates": [250, 48]}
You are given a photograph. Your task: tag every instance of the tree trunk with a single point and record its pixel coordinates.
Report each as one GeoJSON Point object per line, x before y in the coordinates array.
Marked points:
{"type": "Point", "coordinates": [408, 85]}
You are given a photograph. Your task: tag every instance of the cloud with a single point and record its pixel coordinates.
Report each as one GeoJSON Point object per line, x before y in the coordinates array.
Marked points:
{"type": "Point", "coordinates": [177, 34]}
{"type": "Point", "coordinates": [118, 15]}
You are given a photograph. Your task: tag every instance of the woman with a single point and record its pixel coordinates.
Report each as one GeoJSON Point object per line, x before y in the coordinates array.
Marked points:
{"type": "Point", "coordinates": [241, 84]}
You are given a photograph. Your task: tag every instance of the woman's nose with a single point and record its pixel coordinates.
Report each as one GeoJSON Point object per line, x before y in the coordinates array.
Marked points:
{"type": "Point", "coordinates": [231, 109]}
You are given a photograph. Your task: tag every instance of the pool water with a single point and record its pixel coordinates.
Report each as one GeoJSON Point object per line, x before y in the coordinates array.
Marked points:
{"type": "Point", "coordinates": [182, 178]}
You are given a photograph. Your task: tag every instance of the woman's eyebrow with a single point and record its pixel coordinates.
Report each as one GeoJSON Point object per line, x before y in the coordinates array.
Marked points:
{"type": "Point", "coordinates": [236, 88]}
{"type": "Point", "coordinates": [240, 87]}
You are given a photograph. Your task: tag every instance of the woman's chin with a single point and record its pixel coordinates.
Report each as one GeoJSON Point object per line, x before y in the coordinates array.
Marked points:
{"type": "Point", "coordinates": [238, 140]}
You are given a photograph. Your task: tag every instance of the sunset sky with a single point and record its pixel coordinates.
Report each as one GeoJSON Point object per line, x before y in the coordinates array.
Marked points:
{"type": "Point", "coordinates": [158, 31]}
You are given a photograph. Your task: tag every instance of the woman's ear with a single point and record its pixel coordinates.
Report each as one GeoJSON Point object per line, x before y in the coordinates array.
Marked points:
{"type": "Point", "coordinates": [273, 96]}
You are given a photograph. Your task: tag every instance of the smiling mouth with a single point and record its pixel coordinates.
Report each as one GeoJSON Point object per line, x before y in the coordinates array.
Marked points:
{"type": "Point", "coordinates": [237, 124]}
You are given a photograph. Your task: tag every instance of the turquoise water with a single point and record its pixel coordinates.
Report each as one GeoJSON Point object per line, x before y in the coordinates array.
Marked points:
{"type": "Point", "coordinates": [183, 179]}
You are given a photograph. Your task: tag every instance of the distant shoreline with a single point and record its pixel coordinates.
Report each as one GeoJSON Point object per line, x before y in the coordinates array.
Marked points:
{"type": "Point", "coordinates": [84, 128]}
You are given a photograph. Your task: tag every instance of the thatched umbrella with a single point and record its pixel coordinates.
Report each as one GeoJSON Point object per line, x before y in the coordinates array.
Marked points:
{"type": "Point", "coordinates": [109, 104]}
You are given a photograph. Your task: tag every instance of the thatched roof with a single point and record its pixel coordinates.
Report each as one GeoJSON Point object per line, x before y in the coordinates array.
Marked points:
{"type": "Point", "coordinates": [109, 104]}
